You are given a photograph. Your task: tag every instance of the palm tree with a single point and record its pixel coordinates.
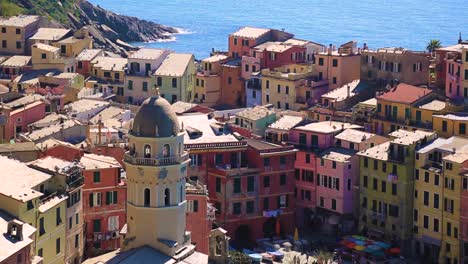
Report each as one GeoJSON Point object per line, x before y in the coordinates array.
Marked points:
{"type": "Point", "coordinates": [433, 45]}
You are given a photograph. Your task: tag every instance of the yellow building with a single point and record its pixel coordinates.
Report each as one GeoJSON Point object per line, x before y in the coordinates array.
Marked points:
{"type": "Point", "coordinates": [175, 77]}
{"type": "Point", "coordinates": [406, 107]}
{"type": "Point", "coordinates": [29, 195]}
{"type": "Point", "coordinates": [386, 187]}
{"type": "Point", "coordinates": [67, 174]}
{"type": "Point", "coordinates": [291, 87]}
{"type": "Point", "coordinates": [451, 125]}
{"type": "Point", "coordinates": [74, 45]}
{"type": "Point", "coordinates": [207, 90]}
{"type": "Point", "coordinates": [14, 31]}
{"type": "Point", "coordinates": [48, 57]}
{"type": "Point", "coordinates": [437, 195]}
{"type": "Point", "coordinates": [108, 71]}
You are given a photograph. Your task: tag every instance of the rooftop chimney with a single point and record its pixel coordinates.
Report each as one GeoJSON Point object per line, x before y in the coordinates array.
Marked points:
{"type": "Point", "coordinates": [15, 229]}
{"type": "Point", "coordinates": [329, 49]}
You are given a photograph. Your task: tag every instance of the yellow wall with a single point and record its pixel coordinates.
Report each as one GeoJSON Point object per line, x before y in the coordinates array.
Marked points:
{"type": "Point", "coordinates": [47, 241]}
{"type": "Point", "coordinates": [75, 48]}
{"type": "Point", "coordinates": [453, 126]}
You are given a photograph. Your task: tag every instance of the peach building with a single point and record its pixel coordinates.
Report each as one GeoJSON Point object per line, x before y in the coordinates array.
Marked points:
{"type": "Point", "coordinates": [338, 66]}
{"type": "Point", "coordinates": [242, 40]}
{"type": "Point", "coordinates": [14, 31]}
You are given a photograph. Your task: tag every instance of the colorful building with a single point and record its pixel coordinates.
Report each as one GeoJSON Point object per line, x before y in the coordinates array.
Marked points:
{"type": "Point", "coordinates": [448, 125]}
{"type": "Point", "coordinates": [67, 174]}
{"type": "Point", "coordinates": [141, 66]}
{"type": "Point", "coordinates": [110, 72]}
{"type": "Point", "coordinates": [35, 197]}
{"type": "Point", "coordinates": [15, 31]}
{"type": "Point", "coordinates": [338, 66]}
{"type": "Point", "coordinates": [292, 87]}
{"type": "Point", "coordinates": [387, 187]}
{"type": "Point", "coordinates": [253, 120]}
{"type": "Point", "coordinates": [175, 77]}
{"type": "Point", "coordinates": [406, 106]}
{"type": "Point", "coordinates": [208, 80]}
{"type": "Point", "coordinates": [394, 65]}
{"type": "Point", "coordinates": [200, 215]}
{"type": "Point", "coordinates": [104, 196]}
{"type": "Point", "coordinates": [84, 59]}
{"type": "Point", "coordinates": [49, 57]}
{"type": "Point", "coordinates": [245, 38]}
{"type": "Point", "coordinates": [438, 200]}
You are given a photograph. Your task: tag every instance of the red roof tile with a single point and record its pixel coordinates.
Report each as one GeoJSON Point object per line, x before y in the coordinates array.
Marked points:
{"type": "Point", "coordinates": [404, 93]}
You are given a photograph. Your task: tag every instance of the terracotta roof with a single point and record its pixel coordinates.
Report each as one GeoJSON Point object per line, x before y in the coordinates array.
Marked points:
{"type": "Point", "coordinates": [109, 63]}
{"type": "Point", "coordinates": [216, 58]}
{"type": "Point", "coordinates": [93, 161]}
{"type": "Point", "coordinates": [404, 93]}
{"type": "Point", "coordinates": [327, 127]}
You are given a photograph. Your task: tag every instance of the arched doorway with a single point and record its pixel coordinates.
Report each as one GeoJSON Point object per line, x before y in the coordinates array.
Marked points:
{"type": "Point", "coordinates": [242, 236]}
{"type": "Point", "coordinates": [269, 227]}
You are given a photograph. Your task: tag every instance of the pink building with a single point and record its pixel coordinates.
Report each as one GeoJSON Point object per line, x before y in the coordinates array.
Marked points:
{"type": "Point", "coordinates": [310, 139]}
{"type": "Point", "coordinates": [200, 215]}
{"type": "Point", "coordinates": [17, 115]}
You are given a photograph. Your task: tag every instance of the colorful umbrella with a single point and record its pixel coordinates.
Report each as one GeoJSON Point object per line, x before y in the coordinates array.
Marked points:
{"type": "Point", "coordinates": [382, 244]}
{"type": "Point", "coordinates": [278, 228]}
{"type": "Point", "coordinates": [350, 245]}
{"type": "Point", "coordinates": [395, 251]}
{"type": "Point", "coordinates": [359, 248]}
{"type": "Point", "coordinates": [360, 242]}
{"type": "Point", "coordinates": [377, 253]}
{"type": "Point", "coordinates": [343, 242]}
{"type": "Point", "coordinates": [374, 247]}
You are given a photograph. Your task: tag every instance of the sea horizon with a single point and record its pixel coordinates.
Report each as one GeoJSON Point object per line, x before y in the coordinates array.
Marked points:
{"type": "Point", "coordinates": [206, 25]}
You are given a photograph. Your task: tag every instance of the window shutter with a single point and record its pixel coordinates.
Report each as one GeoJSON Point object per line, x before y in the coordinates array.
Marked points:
{"type": "Point", "coordinates": [108, 197]}
{"type": "Point", "coordinates": [199, 160]}
{"type": "Point", "coordinates": [91, 200]}
{"type": "Point", "coordinates": [115, 197]}
{"type": "Point", "coordinates": [399, 67]}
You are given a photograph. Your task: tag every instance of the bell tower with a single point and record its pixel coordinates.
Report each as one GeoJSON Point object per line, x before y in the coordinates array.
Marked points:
{"type": "Point", "coordinates": [156, 170]}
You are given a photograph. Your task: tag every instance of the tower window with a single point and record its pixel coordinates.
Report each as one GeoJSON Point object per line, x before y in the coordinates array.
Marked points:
{"type": "Point", "coordinates": [147, 197]}
{"type": "Point", "coordinates": [167, 197]}
{"type": "Point", "coordinates": [147, 151]}
{"type": "Point", "coordinates": [166, 150]}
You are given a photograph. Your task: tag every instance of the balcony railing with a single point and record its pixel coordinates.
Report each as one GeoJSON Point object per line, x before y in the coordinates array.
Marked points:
{"type": "Point", "coordinates": [155, 161]}
{"type": "Point", "coordinates": [74, 182]}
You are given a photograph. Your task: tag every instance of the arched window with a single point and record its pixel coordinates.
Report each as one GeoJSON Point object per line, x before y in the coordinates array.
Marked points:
{"type": "Point", "coordinates": [147, 151]}
{"type": "Point", "coordinates": [167, 197]}
{"type": "Point", "coordinates": [181, 194]}
{"type": "Point", "coordinates": [166, 150]}
{"type": "Point", "coordinates": [147, 197]}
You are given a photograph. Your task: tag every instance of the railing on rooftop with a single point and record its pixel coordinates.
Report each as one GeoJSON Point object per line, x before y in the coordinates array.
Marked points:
{"type": "Point", "coordinates": [155, 161]}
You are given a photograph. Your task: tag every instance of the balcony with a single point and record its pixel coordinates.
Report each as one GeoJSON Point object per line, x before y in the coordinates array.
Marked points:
{"type": "Point", "coordinates": [227, 170]}
{"type": "Point", "coordinates": [155, 161]}
{"type": "Point", "coordinates": [75, 182]}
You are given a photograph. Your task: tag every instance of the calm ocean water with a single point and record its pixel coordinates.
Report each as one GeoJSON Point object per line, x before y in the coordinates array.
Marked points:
{"type": "Point", "coordinates": [403, 23]}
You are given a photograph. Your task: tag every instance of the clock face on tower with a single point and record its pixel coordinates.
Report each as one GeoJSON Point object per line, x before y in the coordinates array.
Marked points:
{"type": "Point", "coordinates": [163, 173]}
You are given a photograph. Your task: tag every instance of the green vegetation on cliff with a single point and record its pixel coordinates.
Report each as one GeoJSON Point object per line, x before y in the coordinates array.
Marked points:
{"type": "Point", "coordinates": [56, 10]}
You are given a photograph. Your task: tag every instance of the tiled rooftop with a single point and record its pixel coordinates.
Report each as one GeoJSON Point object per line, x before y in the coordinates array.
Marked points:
{"type": "Point", "coordinates": [337, 154]}
{"type": "Point", "coordinates": [434, 105]}
{"type": "Point", "coordinates": [17, 61]}
{"type": "Point", "coordinates": [341, 93]}
{"type": "Point", "coordinates": [326, 127]}
{"type": "Point", "coordinates": [379, 152]}
{"type": "Point", "coordinates": [52, 142]}
{"type": "Point", "coordinates": [250, 32]}
{"type": "Point", "coordinates": [50, 130]}
{"type": "Point", "coordinates": [50, 34]}
{"type": "Point", "coordinates": [20, 179]}
{"type": "Point", "coordinates": [278, 48]}
{"type": "Point", "coordinates": [88, 54]}
{"type": "Point", "coordinates": [10, 245]}
{"type": "Point", "coordinates": [93, 162]}
{"type": "Point", "coordinates": [147, 54]}
{"type": "Point", "coordinates": [255, 113]}
{"type": "Point", "coordinates": [404, 93]}
{"type": "Point", "coordinates": [353, 135]}
{"type": "Point", "coordinates": [405, 137]}
{"type": "Point", "coordinates": [84, 105]}
{"type": "Point", "coordinates": [46, 47]}
{"type": "Point", "coordinates": [446, 144]}
{"type": "Point", "coordinates": [110, 63]}
{"type": "Point", "coordinates": [216, 58]}
{"type": "Point", "coordinates": [18, 21]}
{"type": "Point", "coordinates": [201, 123]}
{"type": "Point", "coordinates": [51, 164]}
{"type": "Point", "coordinates": [286, 122]}
{"type": "Point", "coordinates": [454, 117]}
{"type": "Point", "coordinates": [175, 64]}
{"type": "Point", "coordinates": [25, 100]}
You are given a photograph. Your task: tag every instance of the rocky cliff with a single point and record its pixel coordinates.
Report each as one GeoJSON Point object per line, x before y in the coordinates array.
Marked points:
{"type": "Point", "coordinates": [110, 30]}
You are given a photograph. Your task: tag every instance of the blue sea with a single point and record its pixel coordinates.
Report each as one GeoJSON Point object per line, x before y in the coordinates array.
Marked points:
{"type": "Point", "coordinates": [403, 23]}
